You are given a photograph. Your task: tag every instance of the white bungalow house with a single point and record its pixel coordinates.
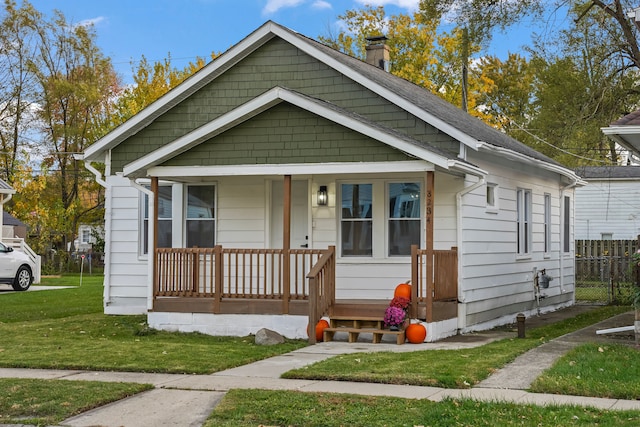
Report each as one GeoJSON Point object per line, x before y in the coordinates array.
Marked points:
{"type": "Point", "coordinates": [286, 181]}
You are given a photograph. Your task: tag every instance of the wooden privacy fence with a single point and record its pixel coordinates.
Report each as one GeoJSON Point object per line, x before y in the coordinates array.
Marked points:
{"type": "Point", "coordinates": [604, 271]}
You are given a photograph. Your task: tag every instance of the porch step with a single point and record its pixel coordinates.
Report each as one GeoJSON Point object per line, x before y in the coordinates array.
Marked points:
{"type": "Point", "coordinates": [354, 333]}
{"type": "Point", "coordinates": [354, 326]}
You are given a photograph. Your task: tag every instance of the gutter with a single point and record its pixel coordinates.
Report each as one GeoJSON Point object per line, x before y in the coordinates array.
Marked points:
{"type": "Point", "coordinates": [106, 294]}
{"type": "Point", "coordinates": [523, 158]}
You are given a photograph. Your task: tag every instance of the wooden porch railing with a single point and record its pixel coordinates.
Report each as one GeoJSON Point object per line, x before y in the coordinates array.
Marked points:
{"type": "Point", "coordinates": [322, 289]}
{"type": "Point", "coordinates": [434, 276]}
{"type": "Point", "coordinates": [232, 273]}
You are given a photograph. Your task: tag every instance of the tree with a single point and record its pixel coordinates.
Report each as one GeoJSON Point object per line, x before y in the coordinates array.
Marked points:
{"type": "Point", "coordinates": [75, 88]}
{"type": "Point", "coordinates": [418, 53]}
{"type": "Point", "coordinates": [480, 17]}
{"type": "Point", "coordinates": [150, 83]}
{"type": "Point", "coordinates": [583, 85]}
{"type": "Point", "coordinates": [17, 46]}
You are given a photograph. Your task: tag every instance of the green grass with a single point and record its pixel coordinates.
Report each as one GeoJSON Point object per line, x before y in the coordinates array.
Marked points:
{"type": "Point", "coordinates": [596, 370]}
{"type": "Point", "coordinates": [443, 368]}
{"type": "Point", "coordinates": [53, 304]}
{"type": "Point", "coordinates": [288, 408]}
{"type": "Point", "coordinates": [65, 329]}
{"type": "Point", "coordinates": [47, 402]}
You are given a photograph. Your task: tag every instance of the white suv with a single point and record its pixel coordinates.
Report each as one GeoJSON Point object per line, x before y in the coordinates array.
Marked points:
{"type": "Point", "coordinates": [16, 268]}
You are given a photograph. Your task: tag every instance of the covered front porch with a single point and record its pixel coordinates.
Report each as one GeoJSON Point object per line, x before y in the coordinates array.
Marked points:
{"type": "Point", "coordinates": [298, 282]}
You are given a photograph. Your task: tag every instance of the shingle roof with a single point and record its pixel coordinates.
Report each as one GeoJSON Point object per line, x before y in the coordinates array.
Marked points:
{"type": "Point", "coordinates": [631, 119]}
{"type": "Point", "coordinates": [8, 219]}
{"type": "Point", "coordinates": [431, 103]}
{"type": "Point", "coordinates": [609, 172]}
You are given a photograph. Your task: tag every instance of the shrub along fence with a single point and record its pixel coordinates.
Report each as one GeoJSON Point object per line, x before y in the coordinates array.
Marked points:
{"type": "Point", "coordinates": [605, 273]}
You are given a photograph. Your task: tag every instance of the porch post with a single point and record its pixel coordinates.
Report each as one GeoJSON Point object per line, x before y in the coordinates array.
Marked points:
{"type": "Point", "coordinates": [154, 246]}
{"type": "Point", "coordinates": [429, 193]}
{"type": "Point", "coordinates": [286, 244]}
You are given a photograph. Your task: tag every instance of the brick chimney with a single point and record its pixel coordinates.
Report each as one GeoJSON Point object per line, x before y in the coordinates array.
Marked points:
{"type": "Point", "coordinates": [378, 52]}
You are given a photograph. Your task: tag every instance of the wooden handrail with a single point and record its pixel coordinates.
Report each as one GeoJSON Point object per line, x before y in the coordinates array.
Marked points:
{"type": "Point", "coordinates": [321, 289]}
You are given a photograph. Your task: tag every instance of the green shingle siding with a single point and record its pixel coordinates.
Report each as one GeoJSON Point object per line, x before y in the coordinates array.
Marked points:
{"type": "Point", "coordinates": [282, 136]}
{"type": "Point", "coordinates": [277, 64]}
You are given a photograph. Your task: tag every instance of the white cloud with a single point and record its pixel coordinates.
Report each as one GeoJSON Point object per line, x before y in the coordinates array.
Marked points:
{"type": "Point", "coordinates": [321, 4]}
{"type": "Point", "coordinates": [273, 6]}
{"type": "Point", "coordinates": [92, 22]}
{"type": "Point", "coordinates": [410, 5]}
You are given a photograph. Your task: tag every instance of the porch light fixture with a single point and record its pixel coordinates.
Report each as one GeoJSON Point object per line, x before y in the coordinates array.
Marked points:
{"type": "Point", "coordinates": [323, 197]}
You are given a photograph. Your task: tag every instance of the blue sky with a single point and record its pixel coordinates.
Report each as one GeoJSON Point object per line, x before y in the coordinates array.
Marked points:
{"type": "Point", "coordinates": [128, 29]}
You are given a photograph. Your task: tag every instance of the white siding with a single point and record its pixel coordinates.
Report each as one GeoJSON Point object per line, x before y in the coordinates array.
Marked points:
{"type": "Point", "coordinates": [125, 270]}
{"type": "Point", "coordinates": [608, 206]}
{"type": "Point", "coordinates": [495, 281]}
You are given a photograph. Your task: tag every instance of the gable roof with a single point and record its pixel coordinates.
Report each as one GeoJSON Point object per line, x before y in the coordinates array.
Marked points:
{"type": "Point", "coordinates": [414, 99]}
{"type": "Point", "coordinates": [319, 107]}
{"type": "Point", "coordinates": [8, 219]}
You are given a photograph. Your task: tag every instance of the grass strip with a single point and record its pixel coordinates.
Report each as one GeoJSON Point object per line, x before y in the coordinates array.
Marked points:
{"type": "Point", "coordinates": [290, 408]}
{"type": "Point", "coordinates": [443, 368]}
{"type": "Point", "coordinates": [47, 402]}
{"type": "Point", "coordinates": [596, 370]}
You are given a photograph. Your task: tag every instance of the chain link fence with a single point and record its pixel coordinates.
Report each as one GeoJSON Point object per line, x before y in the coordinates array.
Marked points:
{"type": "Point", "coordinates": [604, 271]}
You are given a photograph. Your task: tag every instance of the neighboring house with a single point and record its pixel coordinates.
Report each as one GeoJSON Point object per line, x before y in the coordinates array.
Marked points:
{"type": "Point", "coordinates": [87, 237]}
{"type": "Point", "coordinates": [13, 227]}
{"type": "Point", "coordinates": [287, 181]}
{"type": "Point", "coordinates": [608, 208]}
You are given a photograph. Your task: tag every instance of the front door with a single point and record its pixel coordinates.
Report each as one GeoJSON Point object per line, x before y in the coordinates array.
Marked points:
{"type": "Point", "coordinates": [299, 214]}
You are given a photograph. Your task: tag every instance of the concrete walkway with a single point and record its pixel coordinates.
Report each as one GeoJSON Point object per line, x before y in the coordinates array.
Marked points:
{"type": "Point", "coordinates": [187, 400]}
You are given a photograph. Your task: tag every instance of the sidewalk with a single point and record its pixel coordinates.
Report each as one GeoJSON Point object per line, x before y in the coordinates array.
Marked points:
{"type": "Point", "coordinates": [187, 400]}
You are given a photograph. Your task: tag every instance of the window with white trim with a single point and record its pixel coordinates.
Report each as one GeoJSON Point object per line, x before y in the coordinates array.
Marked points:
{"type": "Point", "coordinates": [404, 217]}
{"type": "Point", "coordinates": [547, 223]}
{"type": "Point", "coordinates": [379, 218]}
{"type": "Point", "coordinates": [165, 219]}
{"type": "Point", "coordinates": [200, 216]}
{"type": "Point", "coordinates": [524, 221]}
{"type": "Point", "coordinates": [356, 219]}
{"type": "Point", "coordinates": [492, 197]}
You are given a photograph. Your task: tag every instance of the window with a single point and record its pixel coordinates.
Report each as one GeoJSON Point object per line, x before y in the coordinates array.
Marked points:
{"type": "Point", "coordinates": [492, 197]}
{"type": "Point", "coordinates": [547, 223]}
{"type": "Point", "coordinates": [524, 221]}
{"type": "Point", "coordinates": [606, 236]}
{"type": "Point", "coordinates": [404, 217]}
{"type": "Point", "coordinates": [356, 219]}
{"type": "Point", "coordinates": [86, 236]}
{"type": "Point", "coordinates": [165, 219]}
{"type": "Point", "coordinates": [566, 224]}
{"type": "Point", "coordinates": [200, 221]}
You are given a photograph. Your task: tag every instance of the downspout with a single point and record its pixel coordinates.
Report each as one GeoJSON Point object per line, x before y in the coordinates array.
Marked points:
{"type": "Point", "coordinates": [151, 237]}
{"type": "Point", "coordinates": [106, 293]}
{"type": "Point", "coordinates": [561, 249]}
{"type": "Point", "coordinates": [462, 312]}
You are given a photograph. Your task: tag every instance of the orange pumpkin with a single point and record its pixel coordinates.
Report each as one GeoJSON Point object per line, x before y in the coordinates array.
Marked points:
{"type": "Point", "coordinates": [403, 290]}
{"type": "Point", "coordinates": [320, 327]}
{"type": "Point", "coordinates": [416, 333]}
